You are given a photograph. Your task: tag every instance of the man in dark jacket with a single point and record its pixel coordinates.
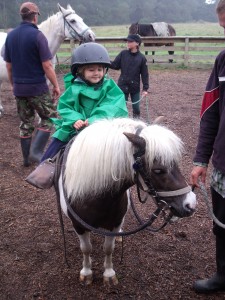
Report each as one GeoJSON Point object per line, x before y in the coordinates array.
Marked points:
{"type": "Point", "coordinates": [133, 65]}
{"type": "Point", "coordinates": [211, 143]}
{"type": "Point", "coordinates": [28, 61]}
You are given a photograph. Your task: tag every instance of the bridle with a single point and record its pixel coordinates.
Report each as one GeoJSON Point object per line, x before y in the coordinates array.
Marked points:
{"type": "Point", "coordinates": [72, 31]}
{"type": "Point", "coordinates": [143, 182]}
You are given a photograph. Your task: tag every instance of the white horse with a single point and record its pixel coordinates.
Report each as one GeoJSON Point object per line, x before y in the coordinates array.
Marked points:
{"type": "Point", "coordinates": [64, 24]}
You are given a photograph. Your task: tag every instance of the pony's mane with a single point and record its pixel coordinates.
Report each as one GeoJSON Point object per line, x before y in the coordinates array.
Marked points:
{"type": "Point", "coordinates": [101, 157]}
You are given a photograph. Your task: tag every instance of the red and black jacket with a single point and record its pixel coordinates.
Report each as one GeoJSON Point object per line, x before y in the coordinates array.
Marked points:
{"type": "Point", "coordinates": [211, 140]}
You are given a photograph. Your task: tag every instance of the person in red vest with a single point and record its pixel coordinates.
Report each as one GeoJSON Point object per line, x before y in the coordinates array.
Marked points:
{"type": "Point", "coordinates": [211, 145]}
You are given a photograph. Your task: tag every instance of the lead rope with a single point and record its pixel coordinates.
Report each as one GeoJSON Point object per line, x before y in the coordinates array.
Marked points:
{"type": "Point", "coordinates": [146, 104]}
{"type": "Point", "coordinates": [210, 211]}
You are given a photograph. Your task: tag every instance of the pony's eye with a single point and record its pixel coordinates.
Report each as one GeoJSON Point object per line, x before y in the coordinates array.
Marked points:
{"type": "Point", "coordinates": [72, 21]}
{"type": "Point", "coordinates": [158, 171]}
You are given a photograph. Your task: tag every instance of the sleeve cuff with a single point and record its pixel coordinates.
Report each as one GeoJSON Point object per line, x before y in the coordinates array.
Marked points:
{"type": "Point", "coordinates": [200, 164]}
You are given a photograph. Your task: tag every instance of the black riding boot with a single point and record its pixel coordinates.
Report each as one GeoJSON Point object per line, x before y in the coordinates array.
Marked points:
{"type": "Point", "coordinates": [38, 144]}
{"type": "Point", "coordinates": [217, 281]}
{"type": "Point", "coordinates": [25, 146]}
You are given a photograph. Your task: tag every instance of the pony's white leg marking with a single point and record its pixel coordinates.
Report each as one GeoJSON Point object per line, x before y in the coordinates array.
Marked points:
{"type": "Point", "coordinates": [62, 198]}
{"type": "Point", "coordinates": [85, 243]}
{"type": "Point", "coordinates": [190, 200]}
{"type": "Point", "coordinates": [86, 248]}
{"type": "Point", "coordinates": [109, 275]}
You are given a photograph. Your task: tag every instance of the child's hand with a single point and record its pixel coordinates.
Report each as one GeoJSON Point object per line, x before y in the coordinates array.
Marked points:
{"type": "Point", "coordinates": [80, 124]}
{"type": "Point", "coordinates": [144, 93]}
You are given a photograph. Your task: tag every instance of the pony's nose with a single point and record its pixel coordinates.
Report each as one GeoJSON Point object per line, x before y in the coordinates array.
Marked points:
{"type": "Point", "coordinates": [190, 210]}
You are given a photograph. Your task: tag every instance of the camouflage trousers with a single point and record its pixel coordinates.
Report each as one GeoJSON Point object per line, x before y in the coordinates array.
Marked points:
{"type": "Point", "coordinates": [27, 107]}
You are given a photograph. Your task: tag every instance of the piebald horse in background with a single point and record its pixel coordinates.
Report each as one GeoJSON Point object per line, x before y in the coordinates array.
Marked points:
{"type": "Point", "coordinates": [154, 29]}
{"type": "Point", "coordinates": [64, 24]}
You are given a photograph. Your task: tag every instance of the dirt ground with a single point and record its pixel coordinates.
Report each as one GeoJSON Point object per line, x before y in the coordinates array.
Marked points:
{"type": "Point", "coordinates": [158, 266]}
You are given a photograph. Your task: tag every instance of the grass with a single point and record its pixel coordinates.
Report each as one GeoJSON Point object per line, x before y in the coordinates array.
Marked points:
{"type": "Point", "coordinates": [182, 29]}
{"type": "Point", "coordinates": [201, 29]}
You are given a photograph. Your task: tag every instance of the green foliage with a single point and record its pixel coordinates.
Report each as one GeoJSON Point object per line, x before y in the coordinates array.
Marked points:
{"type": "Point", "coordinates": [114, 12]}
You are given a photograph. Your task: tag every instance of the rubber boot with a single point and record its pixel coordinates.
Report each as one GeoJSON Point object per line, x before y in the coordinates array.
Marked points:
{"type": "Point", "coordinates": [217, 281]}
{"type": "Point", "coordinates": [25, 146]}
{"type": "Point", "coordinates": [38, 144]}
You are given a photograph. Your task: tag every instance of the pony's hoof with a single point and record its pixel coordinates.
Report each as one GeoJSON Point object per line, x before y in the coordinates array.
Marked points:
{"type": "Point", "coordinates": [109, 281]}
{"type": "Point", "coordinates": [86, 280]}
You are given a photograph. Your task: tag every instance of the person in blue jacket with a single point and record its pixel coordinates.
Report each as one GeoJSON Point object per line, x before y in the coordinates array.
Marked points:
{"type": "Point", "coordinates": [28, 63]}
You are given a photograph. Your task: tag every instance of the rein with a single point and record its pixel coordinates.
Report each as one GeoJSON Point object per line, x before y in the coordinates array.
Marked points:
{"type": "Point", "coordinates": [210, 210]}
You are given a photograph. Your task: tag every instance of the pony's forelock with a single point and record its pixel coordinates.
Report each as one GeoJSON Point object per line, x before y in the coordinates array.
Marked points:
{"type": "Point", "coordinates": [163, 145]}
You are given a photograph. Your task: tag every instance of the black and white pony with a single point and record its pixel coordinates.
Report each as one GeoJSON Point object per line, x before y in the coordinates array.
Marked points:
{"type": "Point", "coordinates": [154, 29]}
{"type": "Point", "coordinates": [64, 24]}
{"type": "Point", "coordinates": [100, 167]}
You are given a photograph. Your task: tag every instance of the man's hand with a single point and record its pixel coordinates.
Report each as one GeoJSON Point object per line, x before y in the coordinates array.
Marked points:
{"type": "Point", "coordinates": [55, 93]}
{"type": "Point", "coordinates": [197, 173]}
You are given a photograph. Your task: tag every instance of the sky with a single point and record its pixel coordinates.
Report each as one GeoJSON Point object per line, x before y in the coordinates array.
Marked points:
{"type": "Point", "coordinates": [210, 1]}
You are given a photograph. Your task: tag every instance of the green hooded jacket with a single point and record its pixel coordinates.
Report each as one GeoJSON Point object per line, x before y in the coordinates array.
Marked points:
{"type": "Point", "coordinates": [83, 102]}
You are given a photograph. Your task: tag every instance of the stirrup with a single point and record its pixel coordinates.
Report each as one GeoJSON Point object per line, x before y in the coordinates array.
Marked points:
{"type": "Point", "coordinates": [43, 176]}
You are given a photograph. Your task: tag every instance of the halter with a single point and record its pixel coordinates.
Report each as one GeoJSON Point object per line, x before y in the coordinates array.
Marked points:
{"type": "Point", "coordinates": [72, 31]}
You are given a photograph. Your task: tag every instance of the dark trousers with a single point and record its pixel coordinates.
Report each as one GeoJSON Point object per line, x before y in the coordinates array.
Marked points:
{"type": "Point", "coordinates": [135, 99]}
{"type": "Point", "coordinates": [53, 148]}
{"type": "Point", "coordinates": [218, 203]}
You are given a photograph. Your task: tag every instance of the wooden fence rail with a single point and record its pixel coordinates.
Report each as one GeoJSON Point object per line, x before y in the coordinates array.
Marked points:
{"type": "Point", "coordinates": [189, 51]}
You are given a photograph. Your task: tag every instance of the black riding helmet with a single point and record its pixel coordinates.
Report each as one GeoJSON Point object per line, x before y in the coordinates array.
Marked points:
{"type": "Point", "coordinates": [89, 53]}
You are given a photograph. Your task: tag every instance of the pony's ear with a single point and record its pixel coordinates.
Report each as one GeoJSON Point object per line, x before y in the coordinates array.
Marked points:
{"type": "Point", "coordinates": [60, 7]}
{"type": "Point", "coordinates": [69, 7]}
{"type": "Point", "coordinates": [136, 140]}
{"type": "Point", "coordinates": [159, 120]}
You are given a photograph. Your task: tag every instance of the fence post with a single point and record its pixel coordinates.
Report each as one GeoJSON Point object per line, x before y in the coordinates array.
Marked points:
{"type": "Point", "coordinates": [186, 51]}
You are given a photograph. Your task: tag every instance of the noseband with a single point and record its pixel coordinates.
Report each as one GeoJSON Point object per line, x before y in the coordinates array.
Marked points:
{"type": "Point", "coordinates": [72, 31]}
